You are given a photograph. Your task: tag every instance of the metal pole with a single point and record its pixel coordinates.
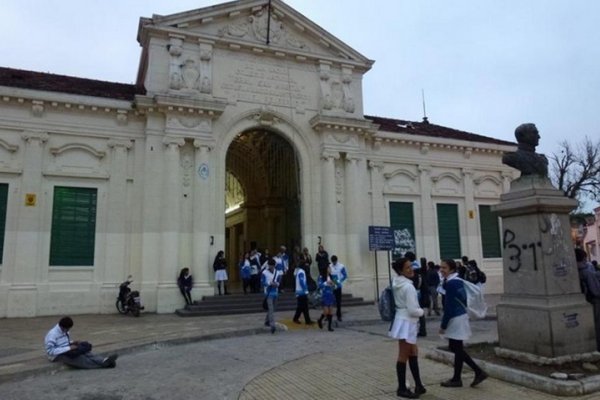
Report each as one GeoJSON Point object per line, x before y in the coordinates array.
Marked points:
{"type": "Point", "coordinates": [389, 269]}
{"type": "Point", "coordinates": [376, 277]}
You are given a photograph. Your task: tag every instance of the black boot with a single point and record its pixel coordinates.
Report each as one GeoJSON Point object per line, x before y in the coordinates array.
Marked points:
{"type": "Point", "coordinates": [413, 363]}
{"type": "Point", "coordinates": [320, 321]}
{"type": "Point", "coordinates": [403, 391]}
{"type": "Point", "coordinates": [219, 287]}
{"type": "Point", "coordinates": [329, 319]}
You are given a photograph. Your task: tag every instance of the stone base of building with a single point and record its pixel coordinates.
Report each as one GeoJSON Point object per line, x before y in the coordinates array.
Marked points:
{"type": "Point", "coordinates": [530, 358]}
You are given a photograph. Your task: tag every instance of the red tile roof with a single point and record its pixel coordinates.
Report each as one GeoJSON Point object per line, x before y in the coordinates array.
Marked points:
{"type": "Point", "coordinates": [429, 129]}
{"type": "Point", "coordinates": [66, 84]}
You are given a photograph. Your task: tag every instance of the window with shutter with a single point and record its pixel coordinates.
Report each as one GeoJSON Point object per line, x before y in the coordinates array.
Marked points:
{"type": "Point", "coordinates": [490, 232]}
{"type": "Point", "coordinates": [402, 221]}
{"type": "Point", "coordinates": [73, 232]}
{"type": "Point", "coordinates": [448, 231]}
{"type": "Point", "coordinates": [3, 205]}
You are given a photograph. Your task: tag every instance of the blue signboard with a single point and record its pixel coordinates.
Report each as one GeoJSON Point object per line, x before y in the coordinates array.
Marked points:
{"type": "Point", "coordinates": [381, 238]}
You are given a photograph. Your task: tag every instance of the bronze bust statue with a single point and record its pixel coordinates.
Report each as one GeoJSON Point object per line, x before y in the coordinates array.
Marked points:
{"type": "Point", "coordinates": [525, 159]}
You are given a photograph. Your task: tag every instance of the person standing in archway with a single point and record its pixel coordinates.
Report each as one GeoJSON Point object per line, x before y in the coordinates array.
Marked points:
{"type": "Point", "coordinates": [338, 275]}
{"type": "Point", "coordinates": [322, 259]}
{"type": "Point", "coordinates": [220, 268]}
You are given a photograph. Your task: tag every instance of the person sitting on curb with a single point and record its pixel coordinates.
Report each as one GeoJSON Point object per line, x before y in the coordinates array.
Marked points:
{"type": "Point", "coordinates": [59, 347]}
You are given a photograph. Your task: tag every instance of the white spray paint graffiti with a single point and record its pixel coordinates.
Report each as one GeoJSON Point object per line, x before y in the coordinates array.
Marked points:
{"type": "Point", "coordinates": [403, 242]}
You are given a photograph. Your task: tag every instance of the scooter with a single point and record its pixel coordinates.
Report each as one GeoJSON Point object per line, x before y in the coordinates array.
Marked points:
{"type": "Point", "coordinates": [128, 300]}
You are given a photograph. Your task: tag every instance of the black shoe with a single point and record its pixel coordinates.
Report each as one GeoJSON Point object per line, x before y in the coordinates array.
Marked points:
{"type": "Point", "coordinates": [297, 322]}
{"type": "Point", "coordinates": [330, 329]}
{"type": "Point", "coordinates": [110, 361]}
{"type": "Point", "coordinates": [339, 319]}
{"type": "Point", "coordinates": [422, 334]}
{"type": "Point", "coordinates": [419, 390]}
{"type": "Point", "coordinates": [273, 330]}
{"type": "Point", "coordinates": [406, 393]}
{"type": "Point", "coordinates": [310, 323]}
{"type": "Point", "coordinates": [451, 383]}
{"type": "Point", "coordinates": [320, 323]}
{"type": "Point", "coordinates": [482, 376]}
{"type": "Point", "coordinates": [267, 323]}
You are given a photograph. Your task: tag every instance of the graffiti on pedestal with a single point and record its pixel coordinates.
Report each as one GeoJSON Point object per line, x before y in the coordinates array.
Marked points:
{"type": "Point", "coordinates": [517, 250]}
{"type": "Point", "coordinates": [570, 320]}
{"type": "Point", "coordinates": [558, 248]}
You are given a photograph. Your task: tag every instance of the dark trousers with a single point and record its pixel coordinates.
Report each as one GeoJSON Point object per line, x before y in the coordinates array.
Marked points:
{"type": "Point", "coordinates": [82, 361]}
{"type": "Point", "coordinates": [255, 283]}
{"type": "Point", "coordinates": [302, 308]}
{"type": "Point", "coordinates": [596, 310]}
{"type": "Point", "coordinates": [246, 285]}
{"type": "Point", "coordinates": [186, 295]}
{"type": "Point", "coordinates": [338, 301]}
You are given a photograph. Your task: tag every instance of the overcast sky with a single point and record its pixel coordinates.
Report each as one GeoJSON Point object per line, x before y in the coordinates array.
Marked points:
{"type": "Point", "coordinates": [486, 66]}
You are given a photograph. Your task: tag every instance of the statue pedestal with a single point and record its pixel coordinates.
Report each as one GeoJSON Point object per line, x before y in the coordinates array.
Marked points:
{"type": "Point", "coordinates": [542, 310]}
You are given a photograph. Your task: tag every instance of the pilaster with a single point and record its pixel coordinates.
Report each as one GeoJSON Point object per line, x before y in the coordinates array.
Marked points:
{"type": "Point", "coordinates": [472, 216]}
{"type": "Point", "coordinates": [427, 213]}
{"type": "Point", "coordinates": [329, 223]}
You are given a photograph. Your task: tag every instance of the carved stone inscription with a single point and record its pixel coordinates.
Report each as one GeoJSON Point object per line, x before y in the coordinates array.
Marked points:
{"type": "Point", "coordinates": [265, 84]}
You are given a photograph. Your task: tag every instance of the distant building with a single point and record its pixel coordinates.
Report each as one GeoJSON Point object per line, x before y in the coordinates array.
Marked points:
{"type": "Point", "coordinates": [591, 239]}
{"type": "Point", "coordinates": [239, 131]}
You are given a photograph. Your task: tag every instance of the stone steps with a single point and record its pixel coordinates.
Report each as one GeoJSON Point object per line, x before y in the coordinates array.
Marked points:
{"type": "Point", "coordinates": [251, 303]}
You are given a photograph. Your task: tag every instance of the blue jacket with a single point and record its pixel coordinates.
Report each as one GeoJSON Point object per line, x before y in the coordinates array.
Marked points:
{"type": "Point", "coordinates": [454, 301]}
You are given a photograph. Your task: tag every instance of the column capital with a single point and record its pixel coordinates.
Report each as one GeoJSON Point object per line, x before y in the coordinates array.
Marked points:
{"type": "Point", "coordinates": [376, 165]}
{"type": "Point", "coordinates": [203, 145]}
{"type": "Point", "coordinates": [328, 155]}
{"type": "Point", "coordinates": [31, 136]}
{"type": "Point", "coordinates": [119, 144]}
{"type": "Point", "coordinates": [353, 158]}
{"type": "Point", "coordinates": [424, 169]}
{"type": "Point", "coordinates": [467, 172]}
{"type": "Point", "coordinates": [171, 141]}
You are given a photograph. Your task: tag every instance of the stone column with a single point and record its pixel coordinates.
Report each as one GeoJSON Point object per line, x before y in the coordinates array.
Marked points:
{"type": "Point", "coordinates": [380, 218]}
{"type": "Point", "coordinates": [542, 310]}
{"type": "Point", "coordinates": [329, 209]}
{"type": "Point", "coordinates": [471, 247]}
{"type": "Point", "coordinates": [428, 214]}
{"type": "Point", "coordinates": [202, 267]}
{"type": "Point", "coordinates": [117, 268]}
{"type": "Point", "coordinates": [22, 296]}
{"type": "Point", "coordinates": [360, 278]}
{"type": "Point", "coordinates": [170, 226]}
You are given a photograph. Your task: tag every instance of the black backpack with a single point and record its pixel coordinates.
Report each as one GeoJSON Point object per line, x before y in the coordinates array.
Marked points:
{"type": "Point", "coordinates": [471, 275]}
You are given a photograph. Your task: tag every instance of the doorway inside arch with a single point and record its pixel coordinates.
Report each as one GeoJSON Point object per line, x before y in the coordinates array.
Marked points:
{"type": "Point", "coordinates": [262, 196]}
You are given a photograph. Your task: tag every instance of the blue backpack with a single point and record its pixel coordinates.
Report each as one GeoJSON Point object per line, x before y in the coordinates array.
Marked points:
{"type": "Point", "coordinates": [387, 304]}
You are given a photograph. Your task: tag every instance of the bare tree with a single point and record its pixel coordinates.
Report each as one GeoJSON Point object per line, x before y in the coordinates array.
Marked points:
{"type": "Point", "coordinates": [575, 169]}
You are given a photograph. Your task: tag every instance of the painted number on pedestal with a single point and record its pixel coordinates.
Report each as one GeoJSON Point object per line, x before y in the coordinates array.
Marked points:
{"type": "Point", "coordinates": [517, 250]}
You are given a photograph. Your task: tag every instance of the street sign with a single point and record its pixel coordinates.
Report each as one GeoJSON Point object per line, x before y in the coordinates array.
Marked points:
{"type": "Point", "coordinates": [381, 238]}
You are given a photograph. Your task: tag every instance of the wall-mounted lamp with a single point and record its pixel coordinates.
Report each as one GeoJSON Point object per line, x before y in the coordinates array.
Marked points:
{"type": "Point", "coordinates": [319, 240]}
{"type": "Point", "coordinates": [212, 240]}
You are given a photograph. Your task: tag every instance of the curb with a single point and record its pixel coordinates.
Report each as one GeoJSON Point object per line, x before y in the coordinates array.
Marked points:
{"type": "Point", "coordinates": [537, 382]}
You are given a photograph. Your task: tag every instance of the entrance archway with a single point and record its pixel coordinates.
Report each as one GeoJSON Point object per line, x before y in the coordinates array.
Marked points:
{"type": "Point", "coordinates": [262, 195]}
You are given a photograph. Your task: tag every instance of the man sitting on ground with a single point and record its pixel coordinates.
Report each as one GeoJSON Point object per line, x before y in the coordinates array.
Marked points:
{"type": "Point", "coordinates": [74, 354]}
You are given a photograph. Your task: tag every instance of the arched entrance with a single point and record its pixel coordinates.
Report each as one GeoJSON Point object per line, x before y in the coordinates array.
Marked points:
{"type": "Point", "coordinates": [262, 195]}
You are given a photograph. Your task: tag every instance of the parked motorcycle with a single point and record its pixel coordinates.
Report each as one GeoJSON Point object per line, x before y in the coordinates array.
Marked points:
{"type": "Point", "coordinates": [128, 300]}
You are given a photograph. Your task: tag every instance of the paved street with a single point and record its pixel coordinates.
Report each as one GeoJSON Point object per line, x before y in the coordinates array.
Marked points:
{"type": "Point", "coordinates": [356, 362]}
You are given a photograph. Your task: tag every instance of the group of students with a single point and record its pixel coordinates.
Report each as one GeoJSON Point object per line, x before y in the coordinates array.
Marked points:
{"type": "Point", "coordinates": [330, 283]}
{"type": "Point", "coordinates": [454, 325]}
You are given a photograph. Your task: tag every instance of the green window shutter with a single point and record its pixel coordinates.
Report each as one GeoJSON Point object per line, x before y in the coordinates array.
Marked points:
{"type": "Point", "coordinates": [73, 232]}
{"type": "Point", "coordinates": [490, 232]}
{"type": "Point", "coordinates": [448, 231]}
{"type": "Point", "coordinates": [3, 205]}
{"type": "Point", "coordinates": [402, 221]}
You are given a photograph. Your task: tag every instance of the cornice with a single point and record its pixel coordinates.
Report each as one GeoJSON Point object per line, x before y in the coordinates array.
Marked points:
{"type": "Point", "coordinates": [325, 123]}
{"type": "Point", "coordinates": [425, 144]}
{"type": "Point", "coordinates": [164, 103]}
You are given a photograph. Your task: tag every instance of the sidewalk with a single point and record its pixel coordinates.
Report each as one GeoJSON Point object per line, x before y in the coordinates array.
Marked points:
{"type": "Point", "coordinates": [22, 339]}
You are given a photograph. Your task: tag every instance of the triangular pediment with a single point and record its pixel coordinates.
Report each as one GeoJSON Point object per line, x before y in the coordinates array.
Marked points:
{"type": "Point", "coordinates": [246, 23]}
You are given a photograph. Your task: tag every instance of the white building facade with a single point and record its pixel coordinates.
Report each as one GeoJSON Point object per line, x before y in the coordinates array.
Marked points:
{"type": "Point", "coordinates": [232, 137]}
